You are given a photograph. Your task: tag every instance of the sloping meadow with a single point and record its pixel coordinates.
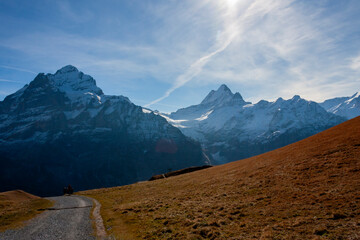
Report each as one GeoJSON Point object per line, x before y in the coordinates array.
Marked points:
{"type": "Point", "coordinates": [306, 190]}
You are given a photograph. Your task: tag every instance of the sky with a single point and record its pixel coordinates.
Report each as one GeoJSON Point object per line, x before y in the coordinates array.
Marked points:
{"type": "Point", "coordinates": [168, 54]}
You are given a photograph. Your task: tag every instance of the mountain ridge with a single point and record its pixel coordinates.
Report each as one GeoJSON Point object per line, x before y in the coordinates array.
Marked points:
{"type": "Point", "coordinates": [348, 107]}
{"type": "Point", "coordinates": [222, 125]}
{"type": "Point", "coordinates": [63, 127]}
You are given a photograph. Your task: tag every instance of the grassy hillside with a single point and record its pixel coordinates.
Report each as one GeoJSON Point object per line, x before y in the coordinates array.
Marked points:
{"type": "Point", "coordinates": [18, 206]}
{"type": "Point", "coordinates": [307, 190]}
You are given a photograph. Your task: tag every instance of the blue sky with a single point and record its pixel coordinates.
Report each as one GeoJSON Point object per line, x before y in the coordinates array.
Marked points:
{"type": "Point", "coordinates": [169, 54]}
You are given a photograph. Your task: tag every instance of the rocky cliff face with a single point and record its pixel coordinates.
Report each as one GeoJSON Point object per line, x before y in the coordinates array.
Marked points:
{"type": "Point", "coordinates": [231, 129]}
{"type": "Point", "coordinates": [61, 129]}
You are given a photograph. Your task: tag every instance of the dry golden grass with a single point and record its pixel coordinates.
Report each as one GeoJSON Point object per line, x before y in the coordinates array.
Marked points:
{"type": "Point", "coordinates": [307, 190]}
{"type": "Point", "coordinates": [18, 206]}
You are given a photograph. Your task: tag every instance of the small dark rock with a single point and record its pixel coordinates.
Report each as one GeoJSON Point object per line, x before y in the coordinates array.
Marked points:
{"type": "Point", "coordinates": [321, 232]}
{"type": "Point", "coordinates": [338, 216]}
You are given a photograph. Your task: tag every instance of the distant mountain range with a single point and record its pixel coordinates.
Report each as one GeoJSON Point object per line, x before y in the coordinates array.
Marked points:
{"type": "Point", "coordinates": [61, 128]}
{"type": "Point", "coordinates": [230, 128]}
{"type": "Point", "coordinates": [348, 107]}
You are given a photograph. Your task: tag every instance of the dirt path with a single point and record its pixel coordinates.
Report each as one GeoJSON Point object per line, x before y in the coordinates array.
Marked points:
{"type": "Point", "coordinates": [69, 218]}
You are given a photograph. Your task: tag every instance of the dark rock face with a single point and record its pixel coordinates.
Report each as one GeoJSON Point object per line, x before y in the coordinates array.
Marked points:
{"type": "Point", "coordinates": [62, 129]}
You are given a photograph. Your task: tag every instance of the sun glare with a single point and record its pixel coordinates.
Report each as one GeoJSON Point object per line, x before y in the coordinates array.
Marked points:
{"type": "Point", "coordinates": [231, 3]}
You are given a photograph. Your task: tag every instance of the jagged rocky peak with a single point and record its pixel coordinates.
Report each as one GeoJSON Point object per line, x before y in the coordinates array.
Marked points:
{"type": "Point", "coordinates": [238, 99]}
{"type": "Point", "coordinates": [296, 97]}
{"type": "Point", "coordinates": [224, 88]}
{"type": "Point", "coordinates": [222, 95]}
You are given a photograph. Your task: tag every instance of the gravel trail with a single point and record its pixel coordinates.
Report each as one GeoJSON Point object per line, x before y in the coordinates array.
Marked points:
{"type": "Point", "coordinates": [69, 218]}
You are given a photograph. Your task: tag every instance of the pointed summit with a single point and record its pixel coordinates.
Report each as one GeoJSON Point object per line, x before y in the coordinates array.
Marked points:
{"type": "Point", "coordinates": [223, 88]}
{"type": "Point", "coordinates": [238, 99]}
{"type": "Point", "coordinates": [296, 98]}
{"type": "Point", "coordinates": [223, 94]}
{"type": "Point", "coordinates": [67, 69]}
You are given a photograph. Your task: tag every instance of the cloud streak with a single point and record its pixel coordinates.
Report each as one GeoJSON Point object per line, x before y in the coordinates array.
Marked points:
{"type": "Point", "coordinates": [193, 70]}
{"type": "Point", "coordinates": [229, 33]}
{"type": "Point", "coordinates": [238, 20]}
{"type": "Point", "coordinates": [263, 48]}
{"type": "Point", "coordinates": [288, 48]}
{"type": "Point", "coordinates": [17, 69]}
{"type": "Point", "coordinates": [4, 93]}
{"type": "Point", "coordinates": [12, 81]}
{"type": "Point", "coordinates": [355, 63]}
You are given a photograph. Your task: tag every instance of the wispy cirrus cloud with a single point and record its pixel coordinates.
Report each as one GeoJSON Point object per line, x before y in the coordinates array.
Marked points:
{"type": "Point", "coordinates": [233, 26]}
{"type": "Point", "coordinates": [288, 49]}
{"type": "Point", "coordinates": [196, 67]}
{"type": "Point", "coordinates": [10, 81]}
{"type": "Point", "coordinates": [89, 52]}
{"type": "Point", "coordinates": [17, 69]}
{"type": "Point", "coordinates": [4, 93]}
{"type": "Point", "coordinates": [153, 51]}
{"type": "Point", "coordinates": [72, 13]}
{"type": "Point", "coordinates": [355, 63]}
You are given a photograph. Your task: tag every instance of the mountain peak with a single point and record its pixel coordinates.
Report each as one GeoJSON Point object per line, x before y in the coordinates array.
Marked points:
{"type": "Point", "coordinates": [67, 69]}
{"type": "Point", "coordinates": [223, 88]}
{"type": "Point", "coordinates": [222, 94]}
{"type": "Point", "coordinates": [70, 80]}
{"type": "Point", "coordinates": [296, 97]}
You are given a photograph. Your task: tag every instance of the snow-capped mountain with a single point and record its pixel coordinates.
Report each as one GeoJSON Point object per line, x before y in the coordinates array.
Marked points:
{"type": "Point", "coordinates": [61, 128]}
{"type": "Point", "coordinates": [219, 106]}
{"type": "Point", "coordinates": [348, 107]}
{"type": "Point", "coordinates": [230, 128]}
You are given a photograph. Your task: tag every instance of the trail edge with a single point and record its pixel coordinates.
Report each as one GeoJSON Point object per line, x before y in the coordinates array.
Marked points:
{"type": "Point", "coordinates": [100, 229]}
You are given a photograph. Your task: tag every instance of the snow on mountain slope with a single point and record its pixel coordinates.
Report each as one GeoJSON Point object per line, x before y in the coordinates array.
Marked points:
{"type": "Point", "coordinates": [73, 82]}
{"type": "Point", "coordinates": [224, 121]}
{"type": "Point", "coordinates": [64, 123]}
{"type": "Point", "coordinates": [211, 114]}
{"type": "Point", "coordinates": [68, 94]}
{"type": "Point", "coordinates": [348, 107]}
